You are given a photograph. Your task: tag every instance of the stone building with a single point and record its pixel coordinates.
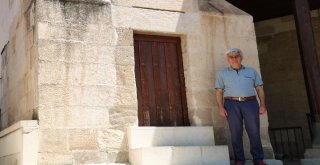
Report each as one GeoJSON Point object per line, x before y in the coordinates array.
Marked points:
{"type": "Point", "coordinates": [114, 81]}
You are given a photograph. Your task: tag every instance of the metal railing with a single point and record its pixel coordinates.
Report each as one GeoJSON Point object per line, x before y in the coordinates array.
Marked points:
{"type": "Point", "coordinates": [287, 142]}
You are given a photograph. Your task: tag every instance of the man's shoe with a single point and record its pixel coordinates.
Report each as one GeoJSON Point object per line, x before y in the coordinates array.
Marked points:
{"type": "Point", "coordinates": [239, 163]}
{"type": "Point", "coordinates": [260, 163]}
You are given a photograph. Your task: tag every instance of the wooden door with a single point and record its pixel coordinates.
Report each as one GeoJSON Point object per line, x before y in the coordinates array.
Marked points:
{"type": "Point", "coordinates": [160, 81]}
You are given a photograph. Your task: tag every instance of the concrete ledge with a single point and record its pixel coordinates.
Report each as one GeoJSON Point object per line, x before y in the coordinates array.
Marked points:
{"type": "Point", "coordinates": [100, 2]}
{"type": "Point", "coordinates": [19, 143]}
{"type": "Point", "coordinates": [170, 136]}
{"type": "Point", "coordinates": [26, 125]}
{"type": "Point", "coordinates": [268, 161]}
{"type": "Point", "coordinates": [194, 155]}
{"type": "Point", "coordinates": [312, 153]}
{"type": "Point", "coordinates": [110, 164]}
{"type": "Point", "coordinates": [309, 161]}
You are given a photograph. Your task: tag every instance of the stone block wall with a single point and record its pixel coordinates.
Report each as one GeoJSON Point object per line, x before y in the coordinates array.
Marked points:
{"type": "Point", "coordinates": [18, 96]}
{"type": "Point", "coordinates": [83, 63]}
{"type": "Point", "coordinates": [281, 68]}
{"type": "Point", "coordinates": [205, 34]}
{"type": "Point", "coordinates": [87, 93]}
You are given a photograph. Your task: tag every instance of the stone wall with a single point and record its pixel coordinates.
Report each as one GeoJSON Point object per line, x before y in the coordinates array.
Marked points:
{"type": "Point", "coordinates": [281, 68]}
{"type": "Point", "coordinates": [85, 91]}
{"type": "Point", "coordinates": [18, 96]}
{"type": "Point", "coordinates": [205, 33]}
{"type": "Point", "coordinates": [87, 94]}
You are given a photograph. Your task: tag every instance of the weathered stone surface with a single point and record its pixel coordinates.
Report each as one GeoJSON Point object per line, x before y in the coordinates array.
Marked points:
{"type": "Point", "coordinates": [114, 140]}
{"type": "Point", "coordinates": [125, 75]}
{"type": "Point", "coordinates": [124, 37]}
{"type": "Point", "coordinates": [122, 117]}
{"type": "Point", "coordinates": [225, 8]}
{"type": "Point", "coordinates": [57, 51]}
{"type": "Point", "coordinates": [200, 98]}
{"type": "Point", "coordinates": [89, 33]}
{"type": "Point", "coordinates": [119, 157]}
{"type": "Point", "coordinates": [52, 95]}
{"type": "Point", "coordinates": [139, 18]}
{"type": "Point", "coordinates": [83, 139]}
{"type": "Point", "coordinates": [126, 95]}
{"type": "Point", "coordinates": [200, 116]}
{"type": "Point", "coordinates": [61, 73]}
{"type": "Point", "coordinates": [71, 13]}
{"type": "Point", "coordinates": [53, 140]}
{"type": "Point", "coordinates": [55, 158]}
{"type": "Point", "coordinates": [65, 95]}
{"type": "Point", "coordinates": [124, 55]}
{"type": "Point", "coordinates": [90, 157]}
{"type": "Point", "coordinates": [174, 5]}
{"type": "Point", "coordinates": [245, 27]}
{"type": "Point", "coordinates": [74, 117]}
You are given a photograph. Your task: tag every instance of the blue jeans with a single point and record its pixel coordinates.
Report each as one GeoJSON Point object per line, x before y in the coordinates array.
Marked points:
{"type": "Point", "coordinates": [247, 112]}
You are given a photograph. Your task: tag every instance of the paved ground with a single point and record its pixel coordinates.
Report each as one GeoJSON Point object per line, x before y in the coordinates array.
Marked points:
{"type": "Point", "coordinates": [291, 162]}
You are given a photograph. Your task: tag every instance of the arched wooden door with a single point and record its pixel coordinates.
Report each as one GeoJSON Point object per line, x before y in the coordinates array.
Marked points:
{"type": "Point", "coordinates": [160, 81]}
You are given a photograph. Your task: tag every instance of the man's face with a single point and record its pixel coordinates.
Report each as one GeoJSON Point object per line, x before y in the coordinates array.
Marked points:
{"type": "Point", "coordinates": [234, 59]}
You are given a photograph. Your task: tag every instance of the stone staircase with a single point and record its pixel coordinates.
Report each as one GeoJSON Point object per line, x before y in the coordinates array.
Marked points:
{"type": "Point", "coordinates": [312, 155]}
{"type": "Point", "coordinates": [175, 146]}
{"type": "Point", "coordinates": [268, 161]}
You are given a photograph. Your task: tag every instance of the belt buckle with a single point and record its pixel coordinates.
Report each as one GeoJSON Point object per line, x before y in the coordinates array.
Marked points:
{"type": "Point", "coordinates": [239, 98]}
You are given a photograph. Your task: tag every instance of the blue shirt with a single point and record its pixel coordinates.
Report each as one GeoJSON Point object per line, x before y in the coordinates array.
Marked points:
{"type": "Point", "coordinates": [239, 83]}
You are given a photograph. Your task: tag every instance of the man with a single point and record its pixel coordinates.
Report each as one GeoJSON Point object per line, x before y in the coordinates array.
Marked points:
{"type": "Point", "coordinates": [236, 88]}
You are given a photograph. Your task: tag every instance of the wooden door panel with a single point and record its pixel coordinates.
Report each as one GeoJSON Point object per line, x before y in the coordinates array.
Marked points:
{"type": "Point", "coordinates": [150, 83]}
{"type": "Point", "coordinates": [156, 79]}
{"type": "Point", "coordinates": [164, 110]}
{"type": "Point", "coordinates": [160, 81]}
{"type": "Point", "coordinates": [173, 84]}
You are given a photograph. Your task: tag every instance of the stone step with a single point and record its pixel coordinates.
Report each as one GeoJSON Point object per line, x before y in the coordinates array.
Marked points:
{"type": "Point", "coordinates": [110, 164]}
{"type": "Point", "coordinates": [268, 161]}
{"type": "Point", "coordinates": [312, 153]}
{"type": "Point", "coordinates": [187, 155]}
{"type": "Point", "coordinates": [310, 161]}
{"type": "Point", "coordinates": [316, 146]}
{"type": "Point", "coordinates": [292, 162]}
{"type": "Point", "coordinates": [141, 137]}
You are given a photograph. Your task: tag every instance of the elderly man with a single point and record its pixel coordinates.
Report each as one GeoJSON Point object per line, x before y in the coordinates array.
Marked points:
{"type": "Point", "coordinates": [236, 88]}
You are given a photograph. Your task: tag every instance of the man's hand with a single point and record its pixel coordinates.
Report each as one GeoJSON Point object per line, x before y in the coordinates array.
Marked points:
{"type": "Point", "coordinates": [260, 92]}
{"type": "Point", "coordinates": [219, 98]}
{"type": "Point", "coordinates": [262, 110]}
{"type": "Point", "coordinates": [223, 112]}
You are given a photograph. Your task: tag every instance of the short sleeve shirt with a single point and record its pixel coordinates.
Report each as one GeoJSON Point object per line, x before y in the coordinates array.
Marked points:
{"type": "Point", "coordinates": [239, 83]}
